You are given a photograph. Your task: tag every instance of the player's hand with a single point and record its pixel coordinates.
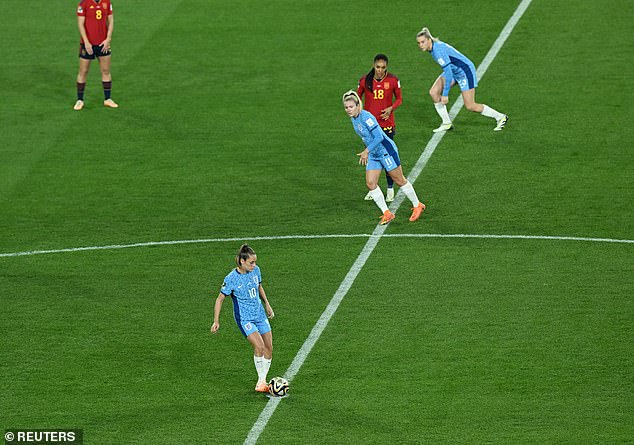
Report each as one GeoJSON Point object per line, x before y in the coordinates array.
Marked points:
{"type": "Point", "coordinates": [385, 114]}
{"type": "Point", "coordinates": [105, 45]}
{"type": "Point", "coordinates": [88, 47]}
{"type": "Point", "coordinates": [444, 100]}
{"type": "Point", "coordinates": [269, 311]}
{"type": "Point", "coordinates": [363, 157]}
{"type": "Point", "coordinates": [215, 327]}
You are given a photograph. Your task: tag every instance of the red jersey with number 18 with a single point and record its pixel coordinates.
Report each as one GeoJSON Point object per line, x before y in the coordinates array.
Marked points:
{"type": "Point", "coordinates": [381, 97]}
{"type": "Point", "coordinates": [96, 23]}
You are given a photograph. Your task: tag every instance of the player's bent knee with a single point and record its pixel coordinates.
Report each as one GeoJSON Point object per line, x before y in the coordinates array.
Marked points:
{"type": "Point", "coordinates": [401, 181]}
{"type": "Point", "coordinates": [476, 108]}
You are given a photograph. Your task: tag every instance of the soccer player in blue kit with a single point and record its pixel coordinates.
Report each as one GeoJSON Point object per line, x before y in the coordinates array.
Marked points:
{"type": "Point", "coordinates": [457, 69]}
{"type": "Point", "coordinates": [244, 285]}
{"type": "Point", "coordinates": [380, 153]}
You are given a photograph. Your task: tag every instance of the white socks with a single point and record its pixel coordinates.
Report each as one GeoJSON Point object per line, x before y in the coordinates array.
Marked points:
{"type": "Point", "coordinates": [441, 109]}
{"type": "Point", "coordinates": [490, 112]}
{"type": "Point", "coordinates": [379, 199]}
{"type": "Point", "coordinates": [262, 366]}
{"type": "Point", "coordinates": [409, 191]}
{"type": "Point", "coordinates": [266, 365]}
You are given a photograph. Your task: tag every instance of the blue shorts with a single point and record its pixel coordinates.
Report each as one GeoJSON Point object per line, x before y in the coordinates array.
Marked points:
{"type": "Point", "coordinates": [249, 327]}
{"type": "Point", "coordinates": [465, 77]}
{"type": "Point", "coordinates": [389, 161]}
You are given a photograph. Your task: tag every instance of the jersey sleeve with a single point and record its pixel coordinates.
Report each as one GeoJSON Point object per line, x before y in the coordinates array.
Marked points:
{"type": "Point", "coordinates": [80, 10]}
{"type": "Point", "coordinates": [397, 94]}
{"type": "Point", "coordinates": [259, 275]}
{"type": "Point", "coordinates": [227, 286]}
{"type": "Point", "coordinates": [361, 87]}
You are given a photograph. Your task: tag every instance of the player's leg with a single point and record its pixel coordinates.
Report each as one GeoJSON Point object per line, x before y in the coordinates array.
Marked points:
{"type": "Point", "coordinates": [407, 188]}
{"type": "Point", "coordinates": [106, 80]}
{"type": "Point", "coordinates": [84, 67]}
{"type": "Point", "coordinates": [436, 92]}
{"type": "Point", "coordinates": [267, 338]}
{"type": "Point", "coordinates": [264, 328]}
{"type": "Point", "coordinates": [256, 341]}
{"type": "Point", "coordinates": [470, 104]}
{"type": "Point", "coordinates": [389, 194]}
{"type": "Point", "coordinates": [372, 175]}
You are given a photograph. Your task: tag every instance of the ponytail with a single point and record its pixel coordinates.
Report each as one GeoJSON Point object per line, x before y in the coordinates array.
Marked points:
{"type": "Point", "coordinates": [244, 253]}
{"type": "Point", "coordinates": [425, 32]}
{"type": "Point", "coordinates": [368, 80]}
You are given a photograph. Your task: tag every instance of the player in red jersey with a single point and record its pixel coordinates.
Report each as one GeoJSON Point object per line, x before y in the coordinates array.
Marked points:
{"type": "Point", "coordinates": [378, 88]}
{"type": "Point", "coordinates": [96, 24]}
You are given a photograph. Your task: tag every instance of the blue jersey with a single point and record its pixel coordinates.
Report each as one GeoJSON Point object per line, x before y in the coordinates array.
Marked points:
{"type": "Point", "coordinates": [374, 138]}
{"type": "Point", "coordinates": [455, 65]}
{"type": "Point", "coordinates": [244, 292]}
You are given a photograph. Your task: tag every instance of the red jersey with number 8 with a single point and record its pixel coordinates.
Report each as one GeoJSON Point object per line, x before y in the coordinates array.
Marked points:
{"type": "Point", "coordinates": [96, 14]}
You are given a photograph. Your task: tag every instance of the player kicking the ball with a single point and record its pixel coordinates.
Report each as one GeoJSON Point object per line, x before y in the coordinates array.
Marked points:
{"type": "Point", "coordinates": [244, 285]}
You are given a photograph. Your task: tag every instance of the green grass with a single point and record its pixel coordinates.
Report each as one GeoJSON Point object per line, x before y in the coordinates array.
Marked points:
{"type": "Point", "coordinates": [231, 126]}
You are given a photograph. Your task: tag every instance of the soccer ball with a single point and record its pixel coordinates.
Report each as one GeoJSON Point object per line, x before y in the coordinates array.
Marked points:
{"type": "Point", "coordinates": [278, 387]}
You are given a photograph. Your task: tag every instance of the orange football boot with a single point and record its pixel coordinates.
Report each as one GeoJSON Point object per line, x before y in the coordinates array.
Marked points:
{"type": "Point", "coordinates": [262, 387]}
{"type": "Point", "coordinates": [387, 217]}
{"type": "Point", "coordinates": [417, 211]}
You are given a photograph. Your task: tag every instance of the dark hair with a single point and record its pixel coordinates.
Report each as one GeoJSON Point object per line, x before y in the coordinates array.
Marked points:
{"type": "Point", "coordinates": [370, 75]}
{"type": "Point", "coordinates": [244, 253]}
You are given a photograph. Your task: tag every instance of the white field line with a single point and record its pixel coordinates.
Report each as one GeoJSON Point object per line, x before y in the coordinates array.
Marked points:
{"type": "Point", "coordinates": [321, 324]}
{"type": "Point", "coordinates": [301, 237]}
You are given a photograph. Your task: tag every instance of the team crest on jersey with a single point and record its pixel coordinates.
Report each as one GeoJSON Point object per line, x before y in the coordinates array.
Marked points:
{"type": "Point", "coordinates": [387, 86]}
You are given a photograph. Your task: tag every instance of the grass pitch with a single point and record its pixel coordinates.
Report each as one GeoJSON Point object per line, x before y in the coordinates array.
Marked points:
{"type": "Point", "coordinates": [231, 126]}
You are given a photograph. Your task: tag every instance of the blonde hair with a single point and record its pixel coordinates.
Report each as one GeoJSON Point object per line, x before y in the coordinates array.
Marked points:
{"type": "Point", "coordinates": [425, 32]}
{"type": "Point", "coordinates": [353, 96]}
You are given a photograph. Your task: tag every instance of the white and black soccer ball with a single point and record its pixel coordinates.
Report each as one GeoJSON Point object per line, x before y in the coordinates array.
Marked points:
{"type": "Point", "coordinates": [278, 387]}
